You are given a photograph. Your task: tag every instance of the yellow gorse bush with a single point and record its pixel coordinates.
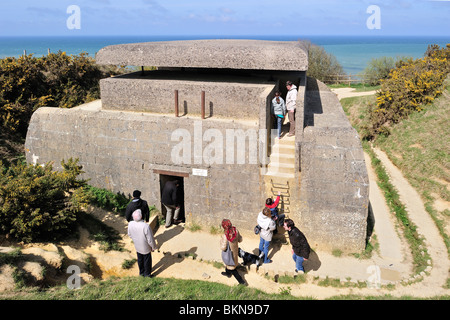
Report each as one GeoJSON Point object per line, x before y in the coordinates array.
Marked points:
{"type": "Point", "coordinates": [38, 203]}
{"type": "Point", "coordinates": [409, 88]}
{"type": "Point", "coordinates": [56, 80]}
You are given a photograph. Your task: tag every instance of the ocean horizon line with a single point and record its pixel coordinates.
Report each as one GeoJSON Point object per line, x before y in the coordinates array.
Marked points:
{"type": "Point", "coordinates": [353, 52]}
{"type": "Point", "coordinates": [229, 35]}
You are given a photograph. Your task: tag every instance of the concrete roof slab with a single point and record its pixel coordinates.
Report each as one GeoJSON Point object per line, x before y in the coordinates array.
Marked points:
{"type": "Point", "coordinates": [214, 54]}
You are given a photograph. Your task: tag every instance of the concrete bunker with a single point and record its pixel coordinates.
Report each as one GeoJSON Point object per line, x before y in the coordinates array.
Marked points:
{"type": "Point", "coordinates": [203, 116]}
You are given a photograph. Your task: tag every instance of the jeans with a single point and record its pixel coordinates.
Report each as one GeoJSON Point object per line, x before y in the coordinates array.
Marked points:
{"type": "Point", "coordinates": [298, 262]}
{"type": "Point", "coordinates": [145, 264]}
{"type": "Point", "coordinates": [279, 124]}
{"type": "Point", "coordinates": [264, 247]}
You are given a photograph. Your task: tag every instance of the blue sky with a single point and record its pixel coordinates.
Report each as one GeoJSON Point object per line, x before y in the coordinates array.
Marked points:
{"type": "Point", "coordinates": [238, 18]}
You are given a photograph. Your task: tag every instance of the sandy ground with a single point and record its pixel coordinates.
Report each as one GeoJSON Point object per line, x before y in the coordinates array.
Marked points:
{"type": "Point", "coordinates": [177, 246]}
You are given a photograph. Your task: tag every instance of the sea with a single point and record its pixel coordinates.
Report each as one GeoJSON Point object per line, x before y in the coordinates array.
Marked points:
{"type": "Point", "coordinates": [352, 52]}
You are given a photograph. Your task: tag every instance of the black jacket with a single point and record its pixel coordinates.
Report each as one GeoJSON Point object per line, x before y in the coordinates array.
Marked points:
{"type": "Point", "coordinates": [170, 194]}
{"type": "Point", "coordinates": [299, 243]}
{"type": "Point", "coordinates": [134, 205]}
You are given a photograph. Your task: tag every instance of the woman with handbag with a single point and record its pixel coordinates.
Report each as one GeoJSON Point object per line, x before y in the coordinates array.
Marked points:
{"type": "Point", "coordinates": [229, 243]}
{"type": "Point", "coordinates": [267, 225]}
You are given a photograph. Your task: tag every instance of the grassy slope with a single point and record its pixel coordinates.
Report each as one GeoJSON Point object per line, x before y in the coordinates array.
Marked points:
{"type": "Point", "coordinates": [420, 147]}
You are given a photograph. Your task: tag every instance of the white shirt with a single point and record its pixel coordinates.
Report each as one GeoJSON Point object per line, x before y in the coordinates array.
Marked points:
{"type": "Point", "coordinates": [291, 98]}
{"type": "Point", "coordinates": [142, 236]}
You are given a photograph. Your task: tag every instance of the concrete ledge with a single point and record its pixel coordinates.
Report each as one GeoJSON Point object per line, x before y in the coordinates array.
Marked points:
{"type": "Point", "coordinates": [225, 53]}
{"type": "Point", "coordinates": [153, 222]}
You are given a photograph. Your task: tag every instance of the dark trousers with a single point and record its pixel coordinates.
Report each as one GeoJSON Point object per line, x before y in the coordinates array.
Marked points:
{"type": "Point", "coordinates": [145, 264]}
{"type": "Point", "coordinates": [236, 275]}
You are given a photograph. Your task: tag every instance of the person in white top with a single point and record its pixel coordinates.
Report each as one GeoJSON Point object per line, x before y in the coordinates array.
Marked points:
{"type": "Point", "coordinates": [267, 225]}
{"type": "Point", "coordinates": [291, 99]}
{"type": "Point", "coordinates": [144, 242]}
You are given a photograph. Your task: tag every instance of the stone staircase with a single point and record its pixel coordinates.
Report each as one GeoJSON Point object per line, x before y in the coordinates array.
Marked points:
{"type": "Point", "coordinates": [280, 175]}
{"type": "Point", "coordinates": [282, 158]}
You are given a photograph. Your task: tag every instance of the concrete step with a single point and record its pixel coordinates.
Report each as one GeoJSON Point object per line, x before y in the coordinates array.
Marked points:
{"type": "Point", "coordinates": [290, 144]}
{"type": "Point", "coordinates": [281, 167]}
{"type": "Point", "coordinates": [278, 174]}
{"type": "Point", "coordinates": [284, 173]}
{"type": "Point", "coordinates": [282, 157]}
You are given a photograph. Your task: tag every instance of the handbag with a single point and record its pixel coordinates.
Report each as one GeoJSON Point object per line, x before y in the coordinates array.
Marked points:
{"type": "Point", "coordinates": [227, 256]}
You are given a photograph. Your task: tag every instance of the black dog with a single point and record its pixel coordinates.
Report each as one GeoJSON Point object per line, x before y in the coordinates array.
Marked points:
{"type": "Point", "coordinates": [249, 258]}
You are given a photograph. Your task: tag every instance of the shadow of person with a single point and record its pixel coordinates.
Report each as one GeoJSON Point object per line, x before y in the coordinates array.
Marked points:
{"type": "Point", "coordinates": [170, 259]}
{"type": "Point", "coordinates": [274, 248]}
{"type": "Point", "coordinates": [168, 234]}
{"type": "Point", "coordinates": [313, 263]}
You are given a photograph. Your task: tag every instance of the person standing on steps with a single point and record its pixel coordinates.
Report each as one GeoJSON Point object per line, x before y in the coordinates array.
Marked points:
{"type": "Point", "coordinates": [278, 111]}
{"type": "Point", "coordinates": [137, 203]}
{"type": "Point", "coordinates": [273, 206]}
{"type": "Point", "coordinates": [267, 225]}
{"type": "Point", "coordinates": [170, 200]}
{"type": "Point", "coordinates": [229, 244]}
{"type": "Point", "coordinates": [291, 104]}
{"type": "Point", "coordinates": [144, 242]}
{"type": "Point", "coordinates": [300, 246]}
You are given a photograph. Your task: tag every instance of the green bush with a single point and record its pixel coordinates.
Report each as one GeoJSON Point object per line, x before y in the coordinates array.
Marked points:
{"type": "Point", "coordinates": [378, 69]}
{"type": "Point", "coordinates": [37, 203]}
{"type": "Point", "coordinates": [108, 200]}
{"type": "Point", "coordinates": [322, 64]}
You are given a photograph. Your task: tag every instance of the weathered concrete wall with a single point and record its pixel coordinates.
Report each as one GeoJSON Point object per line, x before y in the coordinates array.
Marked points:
{"type": "Point", "coordinates": [226, 96]}
{"type": "Point", "coordinates": [121, 151]}
{"type": "Point", "coordinates": [334, 180]}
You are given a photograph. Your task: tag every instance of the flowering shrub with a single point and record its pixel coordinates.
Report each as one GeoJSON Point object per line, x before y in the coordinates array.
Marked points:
{"type": "Point", "coordinates": [37, 203]}
{"type": "Point", "coordinates": [409, 88]}
{"type": "Point", "coordinates": [56, 80]}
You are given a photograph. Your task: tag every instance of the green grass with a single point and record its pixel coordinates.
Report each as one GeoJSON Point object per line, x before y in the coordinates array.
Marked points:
{"type": "Point", "coordinates": [138, 288]}
{"type": "Point", "coordinates": [415, 240]}
{"type": "Point", "coordinates": [420, 147]}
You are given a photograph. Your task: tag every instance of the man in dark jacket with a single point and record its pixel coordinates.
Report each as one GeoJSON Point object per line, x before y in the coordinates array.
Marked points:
{"type": "Point", "coordinates": [137, 203]}
{"type": "Point", "coordinates": [171, 202]}
{"type": "Point", "coordinates": [300, 246]}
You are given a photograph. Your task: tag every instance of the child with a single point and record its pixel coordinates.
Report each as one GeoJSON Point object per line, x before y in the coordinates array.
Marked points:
{"type": "Point", "coordinates": [273, 206]}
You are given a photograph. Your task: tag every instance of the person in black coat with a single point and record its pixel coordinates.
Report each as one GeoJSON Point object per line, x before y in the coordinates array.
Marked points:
{"type": "Point", "coordinates": [300, 246]}
{"type": "Point", "coordinates": [137, 203]}
{"type": "Point", "coordinates": [170, 200]}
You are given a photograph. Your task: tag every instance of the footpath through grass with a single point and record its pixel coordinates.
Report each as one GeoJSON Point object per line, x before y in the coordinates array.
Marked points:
{"type": "Point", "coordinates": [419, 147]}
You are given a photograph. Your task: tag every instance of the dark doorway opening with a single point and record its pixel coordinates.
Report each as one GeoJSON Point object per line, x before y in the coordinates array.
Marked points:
{"type": "Point", "coordinates": [163, 179]}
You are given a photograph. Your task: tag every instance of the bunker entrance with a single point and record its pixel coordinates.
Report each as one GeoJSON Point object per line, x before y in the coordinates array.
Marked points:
{"type": "Point", "coordinates": [172, 195]}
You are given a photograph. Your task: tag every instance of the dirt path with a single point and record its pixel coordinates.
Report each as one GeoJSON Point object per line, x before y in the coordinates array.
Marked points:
{"type": "Point", "coordinates": [432, 284]}
{"type": "Point", "coordinates": [351, 92]}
